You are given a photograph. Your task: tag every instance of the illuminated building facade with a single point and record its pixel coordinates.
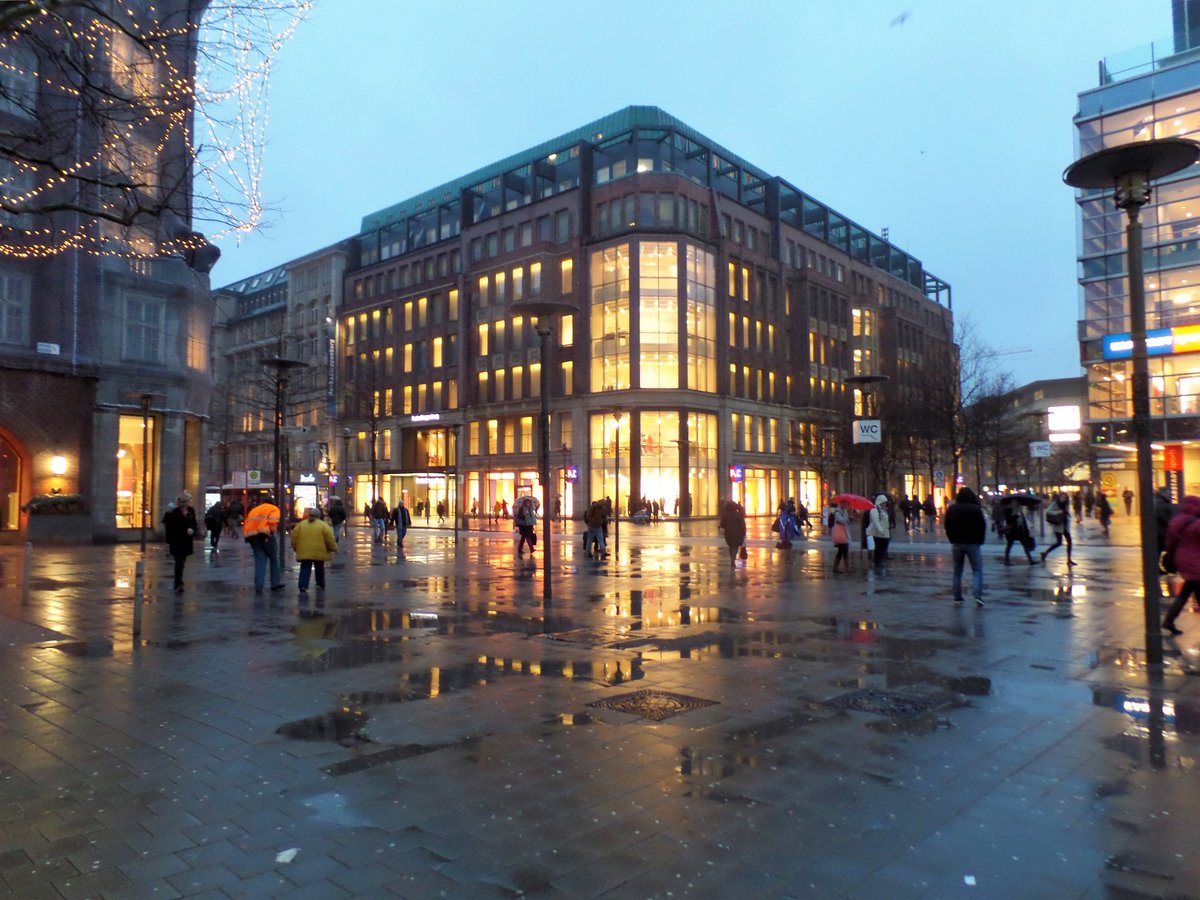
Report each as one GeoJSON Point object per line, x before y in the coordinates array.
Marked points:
{"type": "Point", "coordinates": [104, 364]}
{"type": "Point", "coordinates": [1152, 92]}
{"type": "Point", "coordinates": [287, 312]}
{"type": "Point", "coordinates": [714, 312]}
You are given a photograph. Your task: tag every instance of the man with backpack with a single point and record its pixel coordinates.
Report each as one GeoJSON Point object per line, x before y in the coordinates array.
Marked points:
{"type": "Point", "coordinates": [525, 519]}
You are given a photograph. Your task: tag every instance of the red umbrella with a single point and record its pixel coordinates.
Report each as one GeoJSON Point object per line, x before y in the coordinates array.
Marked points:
{"type": "Point", "coordinates": [856, 501]}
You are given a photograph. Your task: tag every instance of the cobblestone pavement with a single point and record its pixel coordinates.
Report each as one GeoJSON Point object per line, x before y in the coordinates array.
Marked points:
{"type": "Point", "coordinates": [668, 727]}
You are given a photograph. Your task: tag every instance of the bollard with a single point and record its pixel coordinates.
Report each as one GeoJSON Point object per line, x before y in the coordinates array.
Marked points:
{"type": "Point", "coordinates": [27, 572]}
{"type": "Point", "coordinates": [139, 573]}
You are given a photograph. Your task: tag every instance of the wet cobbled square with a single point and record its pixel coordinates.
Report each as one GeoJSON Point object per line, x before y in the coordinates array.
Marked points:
{"type": "Point", "coordinates": [651, 704]}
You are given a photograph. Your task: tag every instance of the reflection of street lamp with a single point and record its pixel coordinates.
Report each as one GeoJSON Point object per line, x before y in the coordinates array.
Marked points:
{"type": "Point", "coordinates": [868, 385]}
{"type": "Point", "coordinates": [543, 310]}
{"type": "Point", "coordinates": [617, 488]}
{"type": "Point", "coordinates": [281, 367]}
{"type": "Point", "coordinates": [1129, 169]}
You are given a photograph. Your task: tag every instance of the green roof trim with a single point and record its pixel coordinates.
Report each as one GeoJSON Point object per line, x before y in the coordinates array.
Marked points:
{"type": "Point", "coordinates": [613, 124]}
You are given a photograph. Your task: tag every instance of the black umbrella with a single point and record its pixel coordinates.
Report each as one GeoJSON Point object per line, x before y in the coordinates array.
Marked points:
{"type": "Point", "coordinates": [1030, 500]}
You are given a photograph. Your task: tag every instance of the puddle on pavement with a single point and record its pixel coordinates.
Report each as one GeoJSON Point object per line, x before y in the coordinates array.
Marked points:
{"type": "Point", "coordinates": [344, 726]}
{"type": "Point", "coordinates": [1144, 713]}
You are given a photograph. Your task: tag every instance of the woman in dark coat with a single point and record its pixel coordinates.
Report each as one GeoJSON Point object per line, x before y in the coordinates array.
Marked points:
{"type": "Point", "coordinates": [1183, 543]}
{"type": "Point", "coordinates": [179, 527]}
{"type": "Point", "coordinates": [733, 524]}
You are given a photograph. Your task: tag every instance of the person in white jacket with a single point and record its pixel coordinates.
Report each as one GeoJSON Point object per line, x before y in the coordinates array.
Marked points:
{"type": "Point", "coordinates": [879, 527]}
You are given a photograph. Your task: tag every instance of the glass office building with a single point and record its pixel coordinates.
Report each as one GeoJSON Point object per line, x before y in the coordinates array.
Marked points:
{"type": "Point", "coordinates": [1152, 92]}
{"type": "Point", "coordinates": [713, 313]}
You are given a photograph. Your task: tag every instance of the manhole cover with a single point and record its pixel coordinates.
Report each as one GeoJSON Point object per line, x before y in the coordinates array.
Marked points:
{"type": "Point", "coordinates": [651, 704]}
{"type": "Point", "coordinates": [886, 703]}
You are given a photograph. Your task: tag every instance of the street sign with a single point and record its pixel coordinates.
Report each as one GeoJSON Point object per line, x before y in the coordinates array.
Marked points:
{"type": "Point", "coordinates": [866, 431]}
{"type": "Point", "coordinates": [1039, 449]}
{"type": "Point", "coordinates": [939, 477]}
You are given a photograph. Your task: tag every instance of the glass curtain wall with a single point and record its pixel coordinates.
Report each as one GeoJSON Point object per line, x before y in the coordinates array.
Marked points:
{"type": "Point", "coordinates": [658, 314]}
{"type": "Point", "coordinates": [610, 319]}
{"type": "Point", "coordinates": [701, 320]}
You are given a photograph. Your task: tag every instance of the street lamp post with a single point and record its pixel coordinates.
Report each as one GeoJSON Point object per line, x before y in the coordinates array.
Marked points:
{"type": "Point", "coordinates": [1128, 170]}
{"type": "Point", "coordinates": [543, 310]}
{"type": "Point", "coordinates": [281, 366]}
{"type": "Point", "coordinates": [345, 486]}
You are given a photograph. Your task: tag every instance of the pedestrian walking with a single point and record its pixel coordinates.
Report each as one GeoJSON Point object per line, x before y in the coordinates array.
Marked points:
{"type": "Point", "coordinates": [841, 537]}
{"type": "Point", "coordinates": [313, 541]}
{"type": "Point", "coordinates": [1089, 501]}
{"type": "Point", "coordinates": [337, 517]}
{"type": "Point", "coordinates": [401, 521]}
{"type": "Point", "coordinates": [1016, 531]}
{"type": "Point", "coordinates": [1059, 517]}
{"type": "Point", "coordinates": [441, 512]}
{"type": "Point", "coordinates": [234, 516]}
{"type": "Point", "coordinates": [879, 531]}
{"type": "Point", "coordinates": [785, 526]}
{"type": "Point", "coordinates": [1077, 507]}
{"type": "Point", "coordinates": [1164, 512]}
{"type": "Point", "coordinates": [525, 519]}
{"type": "Point", "coordinates": [379, 518]}
{"type": "Point", "coordinates": [262, 523]}
{"type": "Point", "coordinates": [180, 527]}
{"type": "Point", "coordinates": [595, 520]}
{"type": "Point", "coordinates": [1127, 496]}
{"type": "Point", "coordinates": [214, 521]}
{"type": "Point", "coordinates": [930, 511]}
{"type": "Point", "coordinates": [732, 524]}
{"type": "Point", "coordinates": [1183, 545]}
{"type": "Point", "coordinates": [1104, 512]}
{"type": "Point", "coordinates": [966, 530]}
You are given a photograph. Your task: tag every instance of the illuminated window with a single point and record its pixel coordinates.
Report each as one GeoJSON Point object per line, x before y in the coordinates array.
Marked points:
{"type": "Point", "coordinates": [567, 267]}
{"type": "Point", "coordinates": [408, 400]}
{"type": "Point", "coordinates": [500, 280]}
{"type": "Point", "coordinates": [518, 283]}
{"type": "Point", "coordinates": [452, 394]}
{"type": "Point", "coordinates": [518, 378]}
{"type": "Point", "coordinates": [732, 277]}
{"type": "Point", "coordinates": [568, 378]}
{"type": "Point", "coordinates": [453, 306]}
{"type": "Point", "coordinates": [535, 379]}
{"type": "Point", "coordinates": [387, 402]}
{"type": "Point", "coordinates": [422, 311]}
{"type": "Point", "coordinates": [535, 278]}
{"type": "Point", "coordinates": [483, 291]}
{"type": "Point", "coordinates": [408, 358]}
{"type": "Point", "coordinates": [437, 352]}
{"type": "Point", "coordinates": [473, 438]}
{"type": "Point", "coordinates": [566, 331]}
{"type": "Point", "coordinates": [745, 283]}
{"type": "Point", "coordinates": [483, 339]}
{"type": "Point", "coordinates": [493, 436]}
{"type": "Point", "coordinates": [483, 387]}
{"type": "Point", "coordinates": [610, 318]}
{"type": "Point", "coordinates": [526, 434]}
{"type": "Point", "coordinates": [700, 318]}
{"type": "Point", "coordinates": [658, 313]}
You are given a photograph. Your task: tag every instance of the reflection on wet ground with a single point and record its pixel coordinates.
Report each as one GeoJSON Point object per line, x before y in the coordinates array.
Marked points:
{"type": "Point", "coordinates": [650, 682]}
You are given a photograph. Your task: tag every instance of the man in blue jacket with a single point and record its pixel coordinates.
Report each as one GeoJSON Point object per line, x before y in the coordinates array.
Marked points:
{"type": "Point", "coordinates": [966, 529]}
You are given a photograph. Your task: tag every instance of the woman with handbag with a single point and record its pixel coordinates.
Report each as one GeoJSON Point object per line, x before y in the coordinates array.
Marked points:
{"type": "Point", "coordinates": [841, 537]}
{"type": "Point", "coordinates": [1183, 548]}
{"type": "Point", "coordinates": [1058, 516]}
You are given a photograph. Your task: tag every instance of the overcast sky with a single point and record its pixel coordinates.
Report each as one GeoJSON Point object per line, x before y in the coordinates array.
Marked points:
{"type": "Point", "coordinates": [947, 121]}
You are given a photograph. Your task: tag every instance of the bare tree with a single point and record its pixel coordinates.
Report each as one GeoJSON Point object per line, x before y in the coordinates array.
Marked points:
{"type": "Point", "coordinates": [105, 119]}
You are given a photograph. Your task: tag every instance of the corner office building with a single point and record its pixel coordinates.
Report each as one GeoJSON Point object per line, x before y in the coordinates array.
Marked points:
{"type": "Point", "coordinates": [1152, 92]}
{"type": "Point", "coordinates": [715, 312]}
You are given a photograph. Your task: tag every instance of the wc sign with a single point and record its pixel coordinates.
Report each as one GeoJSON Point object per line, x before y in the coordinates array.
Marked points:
{"type": "Point", "coordinates": [866, 431]}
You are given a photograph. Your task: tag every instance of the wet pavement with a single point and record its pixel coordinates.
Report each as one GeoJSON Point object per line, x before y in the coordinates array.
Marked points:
{"type": "Point", "coordinates": [669, 727]}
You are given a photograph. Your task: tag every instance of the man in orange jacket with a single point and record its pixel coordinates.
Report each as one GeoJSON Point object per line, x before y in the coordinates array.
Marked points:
{"type": "Point", "coordinates": [261, 524]}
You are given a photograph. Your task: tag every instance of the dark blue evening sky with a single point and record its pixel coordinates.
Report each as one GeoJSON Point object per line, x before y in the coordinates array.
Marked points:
{"type": "Point", "coordinates": [947, 121]}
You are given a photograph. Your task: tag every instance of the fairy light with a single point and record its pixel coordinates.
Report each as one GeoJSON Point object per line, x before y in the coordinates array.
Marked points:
{"type": "Point", "coordinates": [137, 77]}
